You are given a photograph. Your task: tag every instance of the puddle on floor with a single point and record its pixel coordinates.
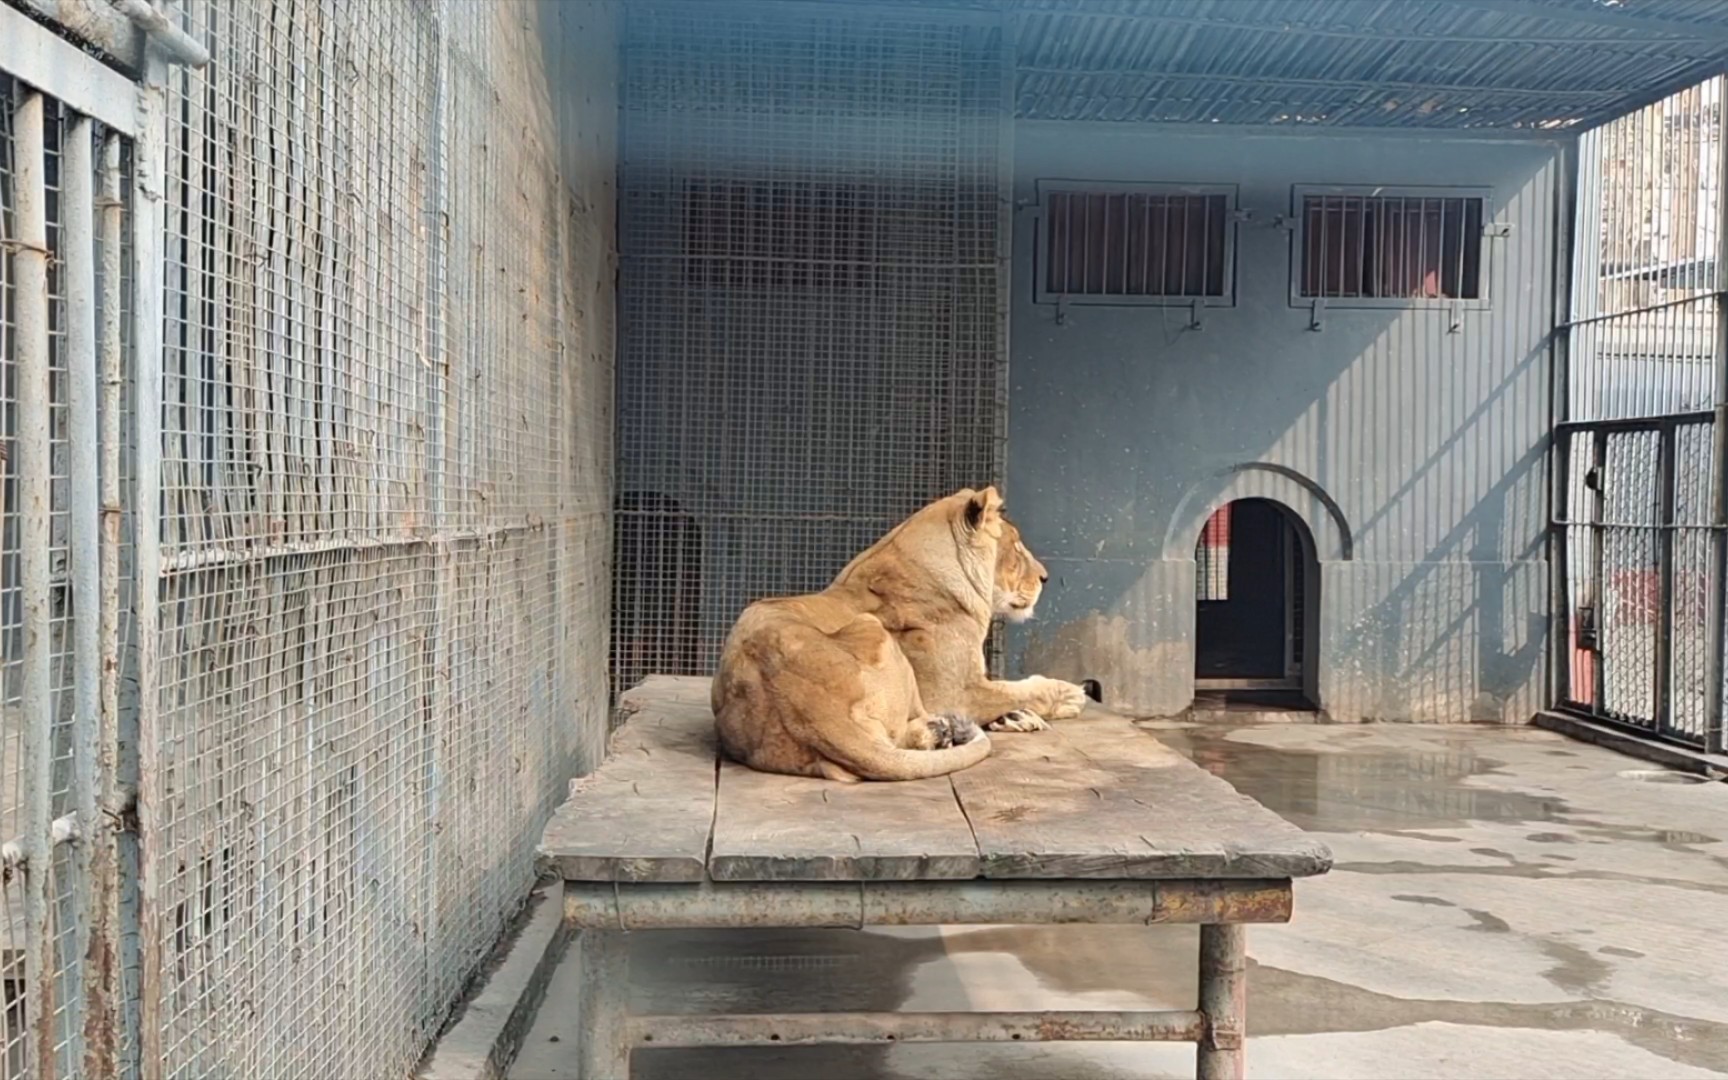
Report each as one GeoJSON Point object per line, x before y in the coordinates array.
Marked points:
{"type": "Point", "coordinates": [1366, 790]}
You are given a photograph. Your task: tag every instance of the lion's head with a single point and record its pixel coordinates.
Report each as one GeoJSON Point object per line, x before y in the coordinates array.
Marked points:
{"type": "Point", "coordinates": [1020, 577]}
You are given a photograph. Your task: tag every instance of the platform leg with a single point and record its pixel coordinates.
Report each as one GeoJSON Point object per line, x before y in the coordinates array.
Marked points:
{"type": "Point", "coordinates": [1223, 1001]}
{"type": "Point", "coordinates": [603, 1008]}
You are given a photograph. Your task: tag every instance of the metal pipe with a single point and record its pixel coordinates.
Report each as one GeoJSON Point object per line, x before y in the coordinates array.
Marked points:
{"type": "Point", "coordinates": [102, 959]}
{"type": "Point", "coordinates": [29, 251]}
{"type": "Point", "coordinates": [1223, 1001]}
{"type": "Point", "coordinates": [173, 43]}
{"type": "Point", "coordinates": [1716, 612]}
{"type": "Point", "coordinates": [78, 267]}
{"type": "Point", "coordinates": [148, 223]}
{"type": "Point", "coordinates": [1662, 703]}
{"type": "Point", "coordinates": [881, 1028]}
{"type": "Point", "coordinates": [604, 905]}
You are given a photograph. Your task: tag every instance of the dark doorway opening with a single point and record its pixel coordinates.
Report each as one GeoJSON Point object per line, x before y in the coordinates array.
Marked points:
{"type": "Point", "coordinates": [1254, 582]}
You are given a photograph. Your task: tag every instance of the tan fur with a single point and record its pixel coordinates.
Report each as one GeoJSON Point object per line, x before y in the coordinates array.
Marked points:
{"type": "Point", "coordinates": [832, 684]}
{"type": "Point", "coordinates": [941, 629]}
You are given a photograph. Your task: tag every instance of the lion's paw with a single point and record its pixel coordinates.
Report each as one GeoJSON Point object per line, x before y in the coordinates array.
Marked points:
{"type": "Point", "coordinates": [1019, 720]}
{"type": "Point", "coordinates": [950, 730]}
{"type": "Point", "coordinates": [1070, 700]}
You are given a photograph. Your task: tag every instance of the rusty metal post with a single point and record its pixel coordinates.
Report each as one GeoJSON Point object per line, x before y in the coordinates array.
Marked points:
{"type": "Point", "coordinates": [603, 1007]}
{"type": "Point", "coordinates": [149, 221]}
{"type": "Point", "coordinates": [1223, 1001]}
{"type": "Point", "coordinates": [102, 958]}
{"type": "Point", "coordinates": [32, 849]}
{"type": "Point", "coordinates": [78, 272]}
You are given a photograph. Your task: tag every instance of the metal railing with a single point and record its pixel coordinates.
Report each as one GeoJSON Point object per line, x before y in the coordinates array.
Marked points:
{"type": "Point", "coordinates": [1640, 507]}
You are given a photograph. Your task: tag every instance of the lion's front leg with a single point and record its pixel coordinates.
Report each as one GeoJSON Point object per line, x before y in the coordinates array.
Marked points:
{"type": "Point", "coordinates": [1024, 704]}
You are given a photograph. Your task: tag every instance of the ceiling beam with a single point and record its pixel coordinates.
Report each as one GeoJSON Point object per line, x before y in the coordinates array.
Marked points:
{"type": "Point", "coordinates": [1390, 34]}
{"type": "Point", "coordinates": [1365, 85]}
{"type": "Point", "coordinates": [1598, 16]}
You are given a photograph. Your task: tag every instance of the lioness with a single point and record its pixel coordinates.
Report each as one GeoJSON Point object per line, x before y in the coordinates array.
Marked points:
{"type": "Point", "coordinates": [840, 683]}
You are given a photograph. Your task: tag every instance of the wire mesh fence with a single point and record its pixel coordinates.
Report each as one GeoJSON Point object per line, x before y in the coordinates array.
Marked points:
{"type": "Point", "coordinates": [278, 744]}
{"type": "Point", "coordinates": [379, 563]}
{"type": "Point", "coordinates": [812, 300]}
{"type": "Point", "coordinates": [1639, 497]}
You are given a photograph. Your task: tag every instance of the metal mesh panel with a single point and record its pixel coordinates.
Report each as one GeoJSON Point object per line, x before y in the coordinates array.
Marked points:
{"type": "Point", "coordinates": [1693, 581]}
{"type": "Point", "coordinates": [1629, 546]}
{"type": "Point", "coordinates": [384, 525]}
{"type": "Point", "coordinates": [1643, 368]}
{"type": "Point", "coordinates": [1644, 308]}
{"type": "Point", "coordinates": [812, 294]}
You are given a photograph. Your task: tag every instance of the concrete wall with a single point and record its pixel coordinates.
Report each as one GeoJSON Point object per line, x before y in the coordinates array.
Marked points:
{"type": "Point", "coordinates": [1127, 430]}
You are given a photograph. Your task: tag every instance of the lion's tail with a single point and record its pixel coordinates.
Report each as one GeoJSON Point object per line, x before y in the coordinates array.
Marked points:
{"type": "Point", "coordinates": [873, 758]}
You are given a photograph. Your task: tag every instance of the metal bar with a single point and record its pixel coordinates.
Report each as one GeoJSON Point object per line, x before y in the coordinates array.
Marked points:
{"type": "Point", "coordinates": [102, 975]}
{"type": "Point", "coordinates": [1562, 618]}
{"type": "Point", "coordinates": [175, 45]}
{"type": "Point", "coordinates": [1716, 612]}
{"type": "Point", "coordinates": [1627, 313]}
{"type": "Point", "coordinates": [78, 269]}
{"type": "Point", "coordinates": [1663, 712]}
{"type": "Point", "coordinates": [1630, 526]}
{"type": "Point", "coordinates": [1638, 728]}
{"type": "Point", "coordinates": [1485, 96]}
{"type": "Point", "coordinates": [1599, 669]}
{"type": "Point", "coordinates": [148, 222]}
{"type": "Point", "coordinates": [31, 53]}
{"type": "Point", "coordinates": [1640, 423]}
{"type": "Point", "coordinates": [603, 1005]}
{"type": "Point", "coordinates": [28, 247]}
{"type": "Point", "coordinates": [1223, 1002]}
{"type": "Point", "coordinates": [628, 906]}
{"type": "Point", "coordinates": [881, 1028]}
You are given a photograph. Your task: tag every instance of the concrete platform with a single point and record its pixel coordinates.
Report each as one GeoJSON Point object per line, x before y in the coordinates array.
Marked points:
{"type": "Point", "coordinates": [1506, 903]}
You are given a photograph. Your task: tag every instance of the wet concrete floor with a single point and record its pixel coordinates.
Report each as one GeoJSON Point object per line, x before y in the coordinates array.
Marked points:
{"type": "Point", "coordinates": [1506, 904]}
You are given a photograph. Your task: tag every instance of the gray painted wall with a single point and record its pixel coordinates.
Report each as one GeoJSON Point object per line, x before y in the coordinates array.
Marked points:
{"type": "Point", "coordinates": [1127, 429]}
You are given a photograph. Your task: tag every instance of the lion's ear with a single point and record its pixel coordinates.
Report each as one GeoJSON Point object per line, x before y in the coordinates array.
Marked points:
{"type": "Point", "coordinates": [984, 506]}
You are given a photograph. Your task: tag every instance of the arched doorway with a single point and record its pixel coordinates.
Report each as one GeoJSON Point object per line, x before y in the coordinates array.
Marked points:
{"type": "Point", "coordinates": [1255, 620]}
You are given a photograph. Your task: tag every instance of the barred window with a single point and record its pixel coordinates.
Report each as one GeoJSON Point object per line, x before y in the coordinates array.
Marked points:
{"type": "Point", "coordinates": [1390, 248]}
{"type": "Point", "coordinates": [1140, 243]}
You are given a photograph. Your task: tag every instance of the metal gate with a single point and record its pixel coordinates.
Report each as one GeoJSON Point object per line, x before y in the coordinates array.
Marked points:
{"type": "Point", "coordinates": [814, 240]}
{"type": "Point", "coordinates": [1639, 498]}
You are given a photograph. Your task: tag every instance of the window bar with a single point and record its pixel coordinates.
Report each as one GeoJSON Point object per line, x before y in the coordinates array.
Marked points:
{"type": "Point", "coordinates": [1127, 231]}
{"type": "Point", "coordinates": [1182, 254]}
{"type": "Point", "coordinates": [1086, 247]}
{"type": "Point", "coordinates": [1146, 246]}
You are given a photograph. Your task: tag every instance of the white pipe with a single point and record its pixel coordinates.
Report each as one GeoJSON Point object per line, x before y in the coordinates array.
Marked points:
{"type": "Point", "coordinates": [174, 42]}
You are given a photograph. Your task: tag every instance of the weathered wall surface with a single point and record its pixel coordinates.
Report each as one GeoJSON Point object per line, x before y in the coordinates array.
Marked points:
{"type": "Point", "coordinates": [1127, 429]}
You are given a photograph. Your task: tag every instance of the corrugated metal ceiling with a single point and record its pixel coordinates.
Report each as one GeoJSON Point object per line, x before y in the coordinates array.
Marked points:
{"type": "Point", "coordinates": [1530, 65]}
{"type": "Point", "coordinates": [1519, 64]}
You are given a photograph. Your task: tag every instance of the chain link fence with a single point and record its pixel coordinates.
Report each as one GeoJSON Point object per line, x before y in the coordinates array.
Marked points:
{"type": "Point", "coordinates": [282, 742]}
